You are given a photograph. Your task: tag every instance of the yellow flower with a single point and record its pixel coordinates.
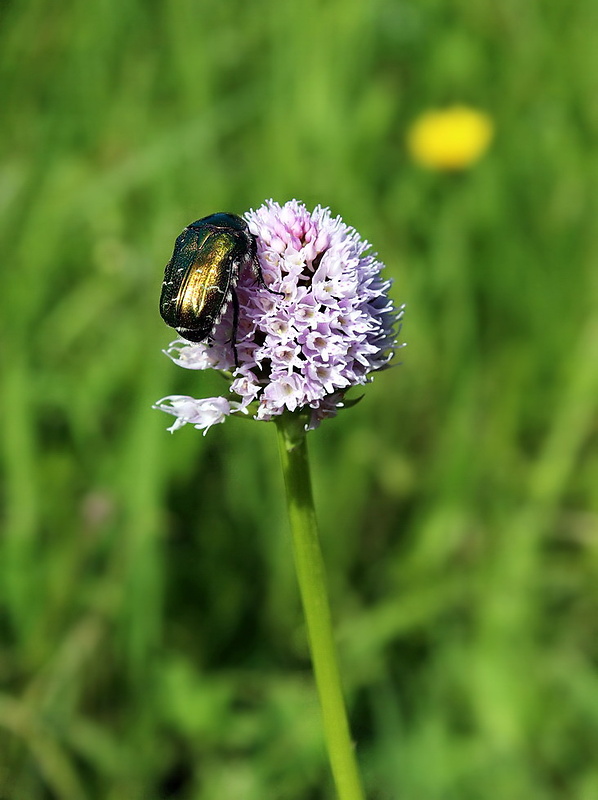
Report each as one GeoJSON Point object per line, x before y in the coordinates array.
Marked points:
{"type": "Point", "coordinates": [451, 139]}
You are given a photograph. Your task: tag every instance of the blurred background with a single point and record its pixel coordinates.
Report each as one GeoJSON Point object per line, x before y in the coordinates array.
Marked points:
{"type": "Point", "coordinates": [151, 639]}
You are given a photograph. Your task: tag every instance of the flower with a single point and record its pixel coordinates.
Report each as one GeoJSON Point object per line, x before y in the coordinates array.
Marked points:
{"type": "Point", "coordinates": [202, 414]}
{"type": "Point", "coordinates": [451, 139]}
{"type": "Point", "coordinates": [330, 328]}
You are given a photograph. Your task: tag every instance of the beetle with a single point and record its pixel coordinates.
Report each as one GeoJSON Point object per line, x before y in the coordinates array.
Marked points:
{"type": "Point", "coordinates": [201, 277]}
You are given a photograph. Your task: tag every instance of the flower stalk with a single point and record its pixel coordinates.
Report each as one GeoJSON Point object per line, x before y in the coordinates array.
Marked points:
{"type": "Point", "coordinates": [312, 584]}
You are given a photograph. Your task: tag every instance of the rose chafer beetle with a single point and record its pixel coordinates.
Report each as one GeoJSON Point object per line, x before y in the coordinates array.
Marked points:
{"type": "Point", "coordinates": [201, 277]}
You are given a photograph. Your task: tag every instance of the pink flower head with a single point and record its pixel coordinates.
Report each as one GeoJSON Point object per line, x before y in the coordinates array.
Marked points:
{"type": "Point", "coordinates": [330, 329]}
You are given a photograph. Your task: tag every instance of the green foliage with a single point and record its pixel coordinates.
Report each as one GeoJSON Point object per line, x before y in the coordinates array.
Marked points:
{"type": "Point", "coordinates": [151, 644]}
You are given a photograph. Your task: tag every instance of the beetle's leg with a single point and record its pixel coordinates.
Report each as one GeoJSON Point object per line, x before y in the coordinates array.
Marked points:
{"type": "Point", "coordinates": [257, 271]}
{"type": "Point", "coordinates": [235, 326]}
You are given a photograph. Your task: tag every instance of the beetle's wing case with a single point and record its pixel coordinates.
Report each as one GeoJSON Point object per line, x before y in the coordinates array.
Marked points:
{"type": "Point", "coordinates": [206, 288]}
{"type": "Point", "coordinates": [186, 249]}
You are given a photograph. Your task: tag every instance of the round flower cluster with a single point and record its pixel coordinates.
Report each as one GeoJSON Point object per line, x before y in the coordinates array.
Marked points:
{"type": "Point", "coordinates": [331, 326]}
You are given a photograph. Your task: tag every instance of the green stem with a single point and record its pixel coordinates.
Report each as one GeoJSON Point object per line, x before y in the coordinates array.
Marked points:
{"type": "Point", "coordinates": [312, 584]}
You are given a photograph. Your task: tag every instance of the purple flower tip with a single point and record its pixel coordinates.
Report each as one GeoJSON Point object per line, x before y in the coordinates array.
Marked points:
{"type": "Point", "coordinates": [333, 328]}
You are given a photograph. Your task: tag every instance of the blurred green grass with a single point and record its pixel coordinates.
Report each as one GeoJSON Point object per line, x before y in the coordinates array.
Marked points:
{"type": "Point", "coordinates": [151, 641]}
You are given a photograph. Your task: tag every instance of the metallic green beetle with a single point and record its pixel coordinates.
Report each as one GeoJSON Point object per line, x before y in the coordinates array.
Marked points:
{"type": "Point", "coordinates": [201, 276]}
